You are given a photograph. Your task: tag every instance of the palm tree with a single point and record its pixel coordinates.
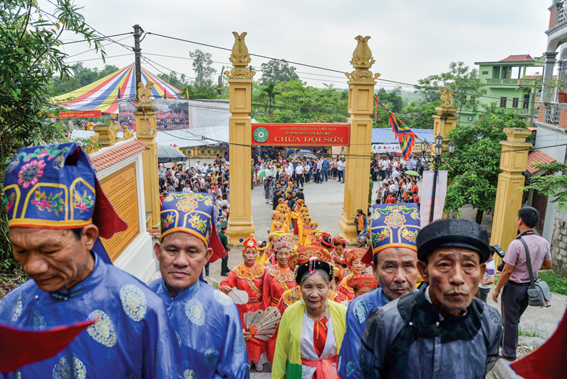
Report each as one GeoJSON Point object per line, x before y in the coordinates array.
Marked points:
{"type": "Point", "coordinates": [270, 93]}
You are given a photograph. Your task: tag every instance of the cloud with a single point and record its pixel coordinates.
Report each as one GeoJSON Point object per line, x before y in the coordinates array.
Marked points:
{"type": "Point", "coordinates": [411, 39]}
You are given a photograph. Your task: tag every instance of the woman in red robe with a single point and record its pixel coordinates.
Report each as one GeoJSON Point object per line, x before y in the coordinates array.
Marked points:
{"type": "Point", "coordinates": [278, 279]}
{"type": "Point", "coordinates": [353, 259]}
{"type": "Point", "coordinates": [249, 277]}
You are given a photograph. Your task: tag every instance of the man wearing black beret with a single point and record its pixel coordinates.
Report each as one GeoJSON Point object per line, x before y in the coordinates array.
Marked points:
{"type": "Point", "coordinates": [442, 331]}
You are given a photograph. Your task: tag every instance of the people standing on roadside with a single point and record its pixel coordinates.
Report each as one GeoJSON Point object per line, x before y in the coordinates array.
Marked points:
{"type": "Point", "coordinates": [325, 165]}
{"type": "Point", "coordinates": [341, 169]}
{"type": "Point", "coordinates": [515, 279]}
{"type": "Point", "coordinates": [299, 174]}
{"type": "Point", "coordinates": [487, 279]}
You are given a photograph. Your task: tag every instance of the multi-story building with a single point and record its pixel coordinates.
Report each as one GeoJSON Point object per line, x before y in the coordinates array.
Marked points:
{"type": "Point", "coordinates": [506, 85]}
{"type": "Point", "coordinates": [551, 138]}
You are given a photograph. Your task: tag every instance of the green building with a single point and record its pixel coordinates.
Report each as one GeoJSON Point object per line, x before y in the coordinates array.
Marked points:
{"type": "Point", "coordinates": [506, 85]}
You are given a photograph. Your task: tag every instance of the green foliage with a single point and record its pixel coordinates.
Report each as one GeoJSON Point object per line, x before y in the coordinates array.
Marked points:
{"type": "Point", "coordinates": [461, 79]}
{"type": "Point", "coordinates": [301, 103]}
{"type": "Point", "coordinates": [277, 71]}
{"type": "Point", "coordinates": [551, 182]}
{"type": "Point", "coordinates": [202, 65]}
{"type": "Point", "coordinates": [528, 333]}
{"type": "Point", "coordinates": [178, 82]}
{"type": "Point", "coordinates": [475, 166]}
{"type": "Point", "coordinates": [393, 101]}
{"type": "Point", "coordinates": [80, 77]}
{"type": "Point", "coordinates": [268, 94]}
{"type": "Point", "coordinates": [556, 282]}
{"type": "Point", "coordinates": [88, 143]}
{"type": "Point", "coordinates": [31, 58]}
{"type": "Point", "coordinates": [419, 116]}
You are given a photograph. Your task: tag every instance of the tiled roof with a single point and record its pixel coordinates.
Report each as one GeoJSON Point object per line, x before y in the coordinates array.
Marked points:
{"type": "Point", "coordinates": [116, 154]}
{"type": "Point", "coordinates": [518, 58]}
{"type": "Point", "coordinates": [537, 157]}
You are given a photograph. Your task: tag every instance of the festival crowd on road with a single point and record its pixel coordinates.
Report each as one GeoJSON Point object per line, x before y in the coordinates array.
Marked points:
{"type": "Point", "coordinates": [303, 300]}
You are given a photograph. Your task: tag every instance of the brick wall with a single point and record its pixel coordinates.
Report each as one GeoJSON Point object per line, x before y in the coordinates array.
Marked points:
{"type": "Point", "coordinates": [541, 113]}
{"type": "Point", "coordinates": [559, 247]}
{"type": "Point", "coordinates": [552, 18]}
{"type": "Point", "coordinates": [563, 118]}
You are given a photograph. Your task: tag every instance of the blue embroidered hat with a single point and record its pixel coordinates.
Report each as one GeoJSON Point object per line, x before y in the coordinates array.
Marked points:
{"type": "Point", "coordinates": [192, 213]}
{"type": "Point", "coordinates": [393, 225]}
{"type": "Point", "coordinates": [55, 187]}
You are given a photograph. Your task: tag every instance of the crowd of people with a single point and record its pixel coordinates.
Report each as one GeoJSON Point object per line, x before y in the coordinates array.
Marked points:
{"type": "Point", "coordinates": [415, 316]}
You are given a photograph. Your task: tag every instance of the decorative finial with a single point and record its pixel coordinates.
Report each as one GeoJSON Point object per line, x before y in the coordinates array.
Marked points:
{"type": "Point", "coordinates": [446, 97]}
{"type": "Point", "coordinates": [362, 61]}
{"type": "Point", "coordinates": [240, 58]}
{"type": "Point", "coordinates": [144, 93]}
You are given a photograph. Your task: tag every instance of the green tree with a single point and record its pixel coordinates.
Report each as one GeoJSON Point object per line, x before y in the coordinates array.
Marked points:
{"type": "Point", "coordinates": [202, 65]}
{"type": "Point", "coordinates": [475, 166]}
{"type": "Point", "coordinates": [301, 103]}
{"type": "Point", "coordinates": [552, 181]}
{"type": "Point", "coordinates": [178, 82]}
{"type": "Point", "coordinates": [277, 70]}
{"type": "Point", "coordinates": [463, 80]}
{"type": "Point", "coordinates": [269, 94]}
{"type": "Point", "coordinates": [32, 56]}
{"type": "Point", "coordinates": [80, 77]}
{"type": "Point", "coordinates": [419, 116]}
{"type": "Point", "coordinates": [391, 100]}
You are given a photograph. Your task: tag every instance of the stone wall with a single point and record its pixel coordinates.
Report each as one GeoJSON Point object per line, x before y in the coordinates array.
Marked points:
{"type": "Point", "coordinates": [559, 246]}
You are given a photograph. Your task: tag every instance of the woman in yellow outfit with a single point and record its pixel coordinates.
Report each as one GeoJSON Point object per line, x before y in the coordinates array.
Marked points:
{"type": "Point", "coordinates": [283, 219]}
{"type": "Point", "coordinates": [305, 220]}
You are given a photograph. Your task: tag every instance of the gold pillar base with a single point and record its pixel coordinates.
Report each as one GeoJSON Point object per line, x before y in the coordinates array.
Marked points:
{"type": "Point", "coordinates": [348, 230]}
{"type": "Point", "coordinates": [238, 231]}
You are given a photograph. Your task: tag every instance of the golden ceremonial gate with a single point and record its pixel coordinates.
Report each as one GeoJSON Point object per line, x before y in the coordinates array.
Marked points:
{"type": "Point", "coordinates": [357, 132]}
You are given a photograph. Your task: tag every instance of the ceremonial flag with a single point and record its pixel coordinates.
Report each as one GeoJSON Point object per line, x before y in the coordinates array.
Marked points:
{"type": "Point", "coordinates": [165, 93]}
{"type": "Point", "coordinates": [119, 93]}
{"type": "Point", "coordinates": [403, 133]}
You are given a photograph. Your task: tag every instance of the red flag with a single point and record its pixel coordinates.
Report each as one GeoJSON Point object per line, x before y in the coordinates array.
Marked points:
{"type": "Point", "coordinates": [22, 347]}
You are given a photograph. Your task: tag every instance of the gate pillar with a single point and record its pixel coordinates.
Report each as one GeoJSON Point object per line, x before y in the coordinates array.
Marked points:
{"type": "Point", "coordinates": [508, 193]}
{"type": "Point", "coordinates": [360, 106]}
{"type": "Point", "coordinates": [240, 224]}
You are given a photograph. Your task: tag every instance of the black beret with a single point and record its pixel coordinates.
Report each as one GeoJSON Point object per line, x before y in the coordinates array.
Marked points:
{"type": "Point", "coordinates": [301, 269]}
{"type": "Point", "coordinates": [453, 233]}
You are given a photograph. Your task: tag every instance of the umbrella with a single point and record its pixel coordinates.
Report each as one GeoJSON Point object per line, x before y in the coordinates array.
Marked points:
{"type": "Point", "coordinates": [169, 154]}
{"type": "Point", "coordinates": [264, 173]}
{"type": "Point", "coordinates": [301, 152]}
{"type": "Point", "coordinates": [413, 173]}
{"type": "Point", "coordinates": [309, 156]}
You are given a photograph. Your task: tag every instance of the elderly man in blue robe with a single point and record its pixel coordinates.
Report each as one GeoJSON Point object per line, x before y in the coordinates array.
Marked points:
{"type": "Point", "coordinates": [393, 254]}
{"type": "Point", "coordinates": [206, 320]}
{"type": "Point", "coordinates": [442, 331]}
{"type": "Point", "coordinates": [56, 213]}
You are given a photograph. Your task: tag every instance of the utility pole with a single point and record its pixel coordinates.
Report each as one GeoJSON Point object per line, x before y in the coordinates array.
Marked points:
{"type": "Point", "coordinates": [138, 51]}
{"type": "Point", "coordinates": [533, 104]}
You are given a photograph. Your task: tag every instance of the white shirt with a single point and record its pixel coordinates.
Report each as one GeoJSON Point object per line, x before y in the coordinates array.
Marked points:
{"type": "Point", "coordinates": [308, 348]}
{"type": "Point", "coordinates": [320, 165]}
{"type": "Point", "coordinates": [341, 166]}
{"type": "Point", "coordinates": [299, 169]}
{"type": "Point", "coordinates": [384, 164]}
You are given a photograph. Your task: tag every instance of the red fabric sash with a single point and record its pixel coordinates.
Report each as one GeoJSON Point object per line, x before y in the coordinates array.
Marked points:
{"type": "Point", "coordinates": [320, 335]}
{"type": "Point", "coordinates": [324, 369]}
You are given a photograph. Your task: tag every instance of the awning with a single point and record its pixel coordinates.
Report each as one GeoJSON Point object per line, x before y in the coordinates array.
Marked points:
{"type": "Point", "coordinates": [535, 157]}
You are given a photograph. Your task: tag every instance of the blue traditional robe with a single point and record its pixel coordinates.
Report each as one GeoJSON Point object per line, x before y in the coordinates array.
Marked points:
{"type": "Point", "coordinates": [357, 314]}
{"type": "Point", "coordinates": [133, 337]}
{"type": "Point", "coordinates": [208, 330]}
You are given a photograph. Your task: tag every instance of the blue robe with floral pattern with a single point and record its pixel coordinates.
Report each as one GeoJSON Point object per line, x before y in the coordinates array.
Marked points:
{"type": "Point", "coordinates": [133, 337]}
{"type": "Point", "coordinates": [208, 330]}
{"type": "Point", "coordinates": [357, 314]}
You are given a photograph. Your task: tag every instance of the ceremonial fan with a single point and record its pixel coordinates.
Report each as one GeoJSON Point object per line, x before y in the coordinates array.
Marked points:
{"type": "Point", "coordinates": [262, 324]}
{"type": "Point", "coordinates": [238, 296]}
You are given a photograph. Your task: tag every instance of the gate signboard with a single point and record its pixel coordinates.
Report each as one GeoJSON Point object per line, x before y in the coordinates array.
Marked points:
{"type": "Point", "coordinates": [332, 134]}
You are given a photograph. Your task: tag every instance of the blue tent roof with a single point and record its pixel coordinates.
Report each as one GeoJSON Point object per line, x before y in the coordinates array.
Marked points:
{"type": "Point", "coordinates": [386, 135]}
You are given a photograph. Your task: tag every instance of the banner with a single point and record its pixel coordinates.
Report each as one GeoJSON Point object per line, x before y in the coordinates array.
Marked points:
{"type": "Point", "coordinates": [301, 134]}
{"type": "Point", "coordinates": [426, 192]}
{"type": "Point", "coordinates": [77, 114]}
{"type": "Point", "coordinates": [386, 148]}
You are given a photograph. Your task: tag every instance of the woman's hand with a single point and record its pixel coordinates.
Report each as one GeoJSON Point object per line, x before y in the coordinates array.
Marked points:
{"type": "Point", "coordinates": [247, 335]}
{"type": "Point", "coordinates": [226, 289]}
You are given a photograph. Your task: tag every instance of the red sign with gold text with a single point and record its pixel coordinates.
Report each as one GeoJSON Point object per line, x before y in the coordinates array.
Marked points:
{"type": "Point", "coordinates": [332, 134]}
{"type": "Point", "coordinates": [78, 114]}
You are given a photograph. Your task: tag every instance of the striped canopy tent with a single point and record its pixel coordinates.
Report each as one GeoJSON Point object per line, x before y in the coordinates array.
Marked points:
{"type": "Point", "coordinates": [103, 95]}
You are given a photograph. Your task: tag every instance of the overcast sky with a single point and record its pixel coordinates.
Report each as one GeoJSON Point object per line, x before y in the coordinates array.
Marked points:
{"type": "Point", "coordinates": [411, 39]}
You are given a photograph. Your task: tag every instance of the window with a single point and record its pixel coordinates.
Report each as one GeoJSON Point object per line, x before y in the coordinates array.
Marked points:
{"type": "Point", "coordinates": [485, 73]}
{"type": "Point", "coordinates": [515, 102]}
{"type": "Point", "coordinates": [503, 101]}
{"type": "Point", "coordinates": [469, 118]}
{"type": "Point", "coordinates": [526, 101]}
